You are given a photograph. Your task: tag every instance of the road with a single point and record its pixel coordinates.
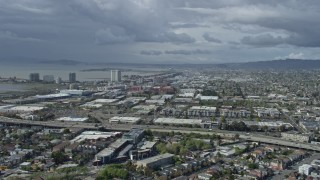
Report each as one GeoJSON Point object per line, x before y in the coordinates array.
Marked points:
{"type": "Point", "coordinates": [127, 127]}
{"type": "Point", "coordinates": [291, 121]}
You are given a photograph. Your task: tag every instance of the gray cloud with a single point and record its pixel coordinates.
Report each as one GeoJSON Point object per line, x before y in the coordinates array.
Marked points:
{"type": "Point", "coordinates": [123, 29]}
{"type": "Point", "coordinates": [7, 35]}
{"type": "Point", "coordinates": [187, 25]}
{"type": "Point", "coordinates": [210, 38]}
{"type": "Point", "coordinates": [113, 35]}
{"type": "Point", "coordinates": [187, 52]}
{"type": "Point", "coordinates": [263, 40]}
{"type": "Point", "coordinates": [151, 52]}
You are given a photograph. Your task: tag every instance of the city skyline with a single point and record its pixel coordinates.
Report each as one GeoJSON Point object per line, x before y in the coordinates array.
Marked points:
{"type": "Point", "coordinates": [141, 31]}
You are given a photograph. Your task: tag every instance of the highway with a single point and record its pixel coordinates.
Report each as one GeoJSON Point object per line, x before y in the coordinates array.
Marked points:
{"type": "Point", "coordinates": [291, 121]}
{"type": "Point", "coordinates": [126, 127]}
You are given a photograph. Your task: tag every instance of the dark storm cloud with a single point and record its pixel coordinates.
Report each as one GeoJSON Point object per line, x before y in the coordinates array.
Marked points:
{"type": "Point", "coordinates": [210, 38]}
{"type": "Point", "coordinates": [124, 29]}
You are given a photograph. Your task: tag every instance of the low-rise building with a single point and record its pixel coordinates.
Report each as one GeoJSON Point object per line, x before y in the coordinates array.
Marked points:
{"type": "Point", "coordinates": [134, 135]}
{"type": "Point", "coordinates": [175, 121]}
{"type": "Point", "coordinates": [305, 169]}
{"type": "Point", "coordinates": [129, 120]}
{"type": "Point", "coordinates": [295, 137]}
{"type": "Point", "coordinates": [105, 155]}
{"type": "Point", "coordinates": [156, 161]}
{"type": "Point", "coordinates": [235, 113]}
{"type": "Point", "coordinates": [204, 176]}
{"type": "Point", "coordinates": [202, 111]}
{"type": "Point", "coordinates": [267, 112]}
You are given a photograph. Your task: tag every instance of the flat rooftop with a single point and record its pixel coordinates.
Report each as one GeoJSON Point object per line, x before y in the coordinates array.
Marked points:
{"type": "Point", "coordinates": [178, 121]}
{"type": "Point", "coordinates": [94, 135]}
{"type": "Point", "coordinates": [72, 119]}
{"type": "Point", "coordinates": [124, 119]}
{"type": "Point", "coordinates": [203, 108]}
{"type": "Point", "coordinates": [155, 158]}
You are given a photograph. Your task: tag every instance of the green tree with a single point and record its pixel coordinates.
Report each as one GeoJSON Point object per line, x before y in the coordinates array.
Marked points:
{"type": "Point", "coordinates": [59, 157]}
{"type": "Point", "coordinates": [66, 131]}
{"type": "Point", "coordinates": [223, 119]}
{"type": "Point", "coordinates": [253, 166]}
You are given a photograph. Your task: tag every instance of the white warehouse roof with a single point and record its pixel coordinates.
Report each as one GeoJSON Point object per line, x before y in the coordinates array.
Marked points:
{"type": "Point", "coordinates": [124, 119]}
{"type": "Point", "coordinates": [178, 121]}
{"type": "Point", "coordinates": [203, 108]}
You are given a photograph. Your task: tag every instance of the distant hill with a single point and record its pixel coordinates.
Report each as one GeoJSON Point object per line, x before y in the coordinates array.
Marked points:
{"type": "Point", "coordinates": [287, 64]}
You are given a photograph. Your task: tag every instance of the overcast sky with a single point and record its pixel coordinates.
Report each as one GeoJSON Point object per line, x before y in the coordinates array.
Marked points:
{"type": "Point", "coordinates": [160, 31]}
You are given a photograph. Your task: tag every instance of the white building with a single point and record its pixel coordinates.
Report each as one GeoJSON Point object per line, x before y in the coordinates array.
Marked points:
{"type": "Point", "coordinates": [116, 75]}
{"type": "Point", "coordinates": [305, 169]}
{"type": "Point", "coordinates": [72, 119]}
{"type": "Point", "coordinates": [208, 98]}
{"type": "Point", "coordinates": [118, 119]}
{"type": "Point", "coordinates": [179, 121]}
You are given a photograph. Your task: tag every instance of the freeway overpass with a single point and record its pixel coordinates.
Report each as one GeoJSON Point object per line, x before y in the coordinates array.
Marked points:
{"type": "Point", "coordinates": [9, 121]}
{"type": "Point", "coordinates": [127, 127]}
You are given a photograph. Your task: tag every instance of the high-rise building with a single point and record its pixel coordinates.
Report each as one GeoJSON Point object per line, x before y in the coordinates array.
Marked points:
{"type": "Point", "coordinates": [116, 75]}
{"type": "Point", "coordinates": [48, 78]}
{"type": "Point", "coordinates": [58, 80]}
{"type": "Point", "coordinates": [34, 77]}
{"type": "Point", "coordinates": [72, 77]}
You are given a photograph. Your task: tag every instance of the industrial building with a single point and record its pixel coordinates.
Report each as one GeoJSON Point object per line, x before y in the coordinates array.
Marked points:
{"type": "Point", "coordinates": [20, 109]}
{"type": "Point", "coordinates": [176, 121]}
{"type": "Point", "coordinates": [72, 119]}
{"type": "Point", "coordinates": [94, 136]}
{"type": "Point", "coordinates": [130, 120]}
{"type": "Point", "coordinates": [208, 98]}
{"type": "Point", "coordinates": [156, 161]}
{"type": "Point", "coordinates": [115, 75]}
{"type": "Point", "coordinates": [144, 109]}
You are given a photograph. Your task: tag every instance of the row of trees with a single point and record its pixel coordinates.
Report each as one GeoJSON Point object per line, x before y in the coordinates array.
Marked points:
{"type": "Point", "coordinates": [183, 147]}
{"type": "Point", "coordinates": [188, 136]}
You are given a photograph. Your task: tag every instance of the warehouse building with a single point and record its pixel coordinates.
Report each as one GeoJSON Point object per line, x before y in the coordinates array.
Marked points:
{"type": "Point", "coordinates": [126, 120]}
{"type": "Point", "coordinates": [175, 121]}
